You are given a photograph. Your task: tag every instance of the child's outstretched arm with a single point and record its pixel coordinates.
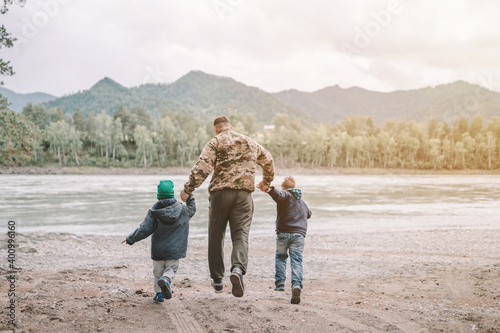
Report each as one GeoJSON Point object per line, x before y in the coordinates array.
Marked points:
{"type": "Point", "coordinates": [277, 195]}
{"type": "Point", "coordinates": [146, 228]}
{"type": "Point", "coordinates": [272, 191]}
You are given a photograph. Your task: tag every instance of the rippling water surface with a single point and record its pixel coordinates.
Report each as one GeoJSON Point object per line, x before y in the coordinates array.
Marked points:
{"type": "Point", "coordinates": [107, 204]}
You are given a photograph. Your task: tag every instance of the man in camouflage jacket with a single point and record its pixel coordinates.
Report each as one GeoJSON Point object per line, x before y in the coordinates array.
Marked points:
{"type": "Point", "coordinates": [232, 157]}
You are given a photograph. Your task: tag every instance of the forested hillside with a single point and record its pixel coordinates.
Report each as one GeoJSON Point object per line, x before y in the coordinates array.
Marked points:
{"type": "Point", "coordinates": [196, 93]}
{"type": "Point", "coordinates": [108, 95]}
{"type": "Point", "coordinates": [454, 126]}
{"type": "Point", "coordinates": [444, 103]}
{"type": "Point", "coordinates": [204, 96]}
{"type": "Point", "coordinates": [131, 138]}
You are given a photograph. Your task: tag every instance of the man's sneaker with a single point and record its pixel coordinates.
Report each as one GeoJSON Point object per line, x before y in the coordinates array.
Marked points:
{"type": "Point", "coordinates": [237, 282]}
{"type": "Point", "coordinates": [158, 297]}
{"type": "Point", "coordinates": [295, 295]}
{"type": "Point", "coordinates": [280, 287]}
{"type": "Point", "coordinates": [218, 286]}
{"type": "Point", "coordinates": [164, 284]}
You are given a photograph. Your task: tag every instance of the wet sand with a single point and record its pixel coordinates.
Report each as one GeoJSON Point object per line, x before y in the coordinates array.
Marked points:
{"type": "Point", "coordinates": [445, 280]}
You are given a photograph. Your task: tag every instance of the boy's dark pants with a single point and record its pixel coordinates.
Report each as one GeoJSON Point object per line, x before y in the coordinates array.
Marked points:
{"type": "Point", "coordinates": [235, 207]}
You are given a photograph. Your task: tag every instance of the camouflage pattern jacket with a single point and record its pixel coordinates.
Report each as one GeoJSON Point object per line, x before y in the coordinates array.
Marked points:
{"type": "Point", "coordinates": [233, 158]}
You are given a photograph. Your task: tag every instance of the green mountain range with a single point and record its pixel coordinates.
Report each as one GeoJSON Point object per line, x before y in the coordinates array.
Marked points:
{"type": "Point", "coordinates": [206, 95]}
{"type": "Point", "coordinates": [444, 103]}
{"type": "Point", "coordinates": [18, 101]}
{"type": "Point", "coordinates": [196, 93]}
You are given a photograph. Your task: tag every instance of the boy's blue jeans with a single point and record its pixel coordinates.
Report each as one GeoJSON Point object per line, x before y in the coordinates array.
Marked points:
{"type": "Point", "coordinates": [293, 245]}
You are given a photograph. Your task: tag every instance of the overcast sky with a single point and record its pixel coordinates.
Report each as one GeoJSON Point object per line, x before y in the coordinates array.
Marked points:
{"type": "Point", "coordinates": [68, 45]}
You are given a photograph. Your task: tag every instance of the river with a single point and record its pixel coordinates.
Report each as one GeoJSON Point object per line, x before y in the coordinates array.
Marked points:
{"type": "Point", "coordinates": [116, 204]}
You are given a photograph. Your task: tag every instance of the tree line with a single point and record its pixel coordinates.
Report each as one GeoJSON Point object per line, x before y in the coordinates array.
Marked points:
{"type": "Point", "coordinates": [126, 138]}
{"type": "Point", "coordinates": [130, 138]}
{"type": "Point", "coordinates": [358, 142]}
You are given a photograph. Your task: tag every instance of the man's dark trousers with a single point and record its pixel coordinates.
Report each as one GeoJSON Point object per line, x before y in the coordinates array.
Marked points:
{"type": "Point", "coordinates": [235, 207]}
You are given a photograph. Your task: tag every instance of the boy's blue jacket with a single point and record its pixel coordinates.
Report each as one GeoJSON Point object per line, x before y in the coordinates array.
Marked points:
{"type": "Point", "coordinates": [292, 211]}
{"type": "Point", "coordinates": [168, 221]}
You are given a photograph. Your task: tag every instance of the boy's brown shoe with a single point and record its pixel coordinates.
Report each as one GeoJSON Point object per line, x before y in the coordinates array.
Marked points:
{"type": "Point", "coordinates": [295, 295]}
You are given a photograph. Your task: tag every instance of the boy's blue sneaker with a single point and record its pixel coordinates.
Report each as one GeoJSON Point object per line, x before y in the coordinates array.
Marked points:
{"type": "Point", "coordinates": [280, 287]}
{"type": "Point", "coordinates": [158, 297]}
{"type": "Point", "coordinates": [164, 284]}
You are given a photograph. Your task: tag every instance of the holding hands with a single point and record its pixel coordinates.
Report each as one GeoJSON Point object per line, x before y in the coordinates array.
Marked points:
{"type": "Point", "coordinates": [263, 187]}
{"type": "Point", "coordinates": [184, 196]}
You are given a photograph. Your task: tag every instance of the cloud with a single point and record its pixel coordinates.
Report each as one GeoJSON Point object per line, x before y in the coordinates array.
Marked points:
{"type": "Point", "coordinates": [268, 44]}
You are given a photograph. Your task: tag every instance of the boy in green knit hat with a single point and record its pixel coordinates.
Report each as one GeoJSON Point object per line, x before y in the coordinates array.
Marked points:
{"type": "Point", "coordinates": [168, 223]}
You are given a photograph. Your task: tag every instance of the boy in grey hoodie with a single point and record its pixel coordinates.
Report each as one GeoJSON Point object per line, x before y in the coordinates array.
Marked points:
{"type": "Point", "coordinates": [291, 228]}
{"type": "Point", "coordinates": [168, 223]}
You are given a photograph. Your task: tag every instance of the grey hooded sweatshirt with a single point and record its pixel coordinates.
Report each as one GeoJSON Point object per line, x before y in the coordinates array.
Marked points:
{"type": "Point", "coordinates": [292, 211]}
{"type": "Point", "coordinates": [168, 222]}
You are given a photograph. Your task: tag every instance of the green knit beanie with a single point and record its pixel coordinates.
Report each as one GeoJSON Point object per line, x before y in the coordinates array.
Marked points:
{"type": "Point", "coordinates": [165, 189]}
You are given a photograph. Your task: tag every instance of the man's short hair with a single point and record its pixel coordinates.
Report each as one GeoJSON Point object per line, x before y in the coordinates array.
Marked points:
{"type": "Point", "coordinates": [289, 182]}
{"type": "Point", "coordinates": [222, 119]}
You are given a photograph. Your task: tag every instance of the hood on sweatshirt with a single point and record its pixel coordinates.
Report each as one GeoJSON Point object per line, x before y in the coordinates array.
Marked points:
{"type": "Point", "coordinates": [296, 193]}
{"type": "Point", "coordinates": [167, 210]}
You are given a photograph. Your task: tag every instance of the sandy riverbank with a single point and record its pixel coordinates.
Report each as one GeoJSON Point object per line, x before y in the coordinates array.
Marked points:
{"type": "Point", "coordinates": [60, 170]}
{"type": "Point", "coordinates": [406, 281]}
